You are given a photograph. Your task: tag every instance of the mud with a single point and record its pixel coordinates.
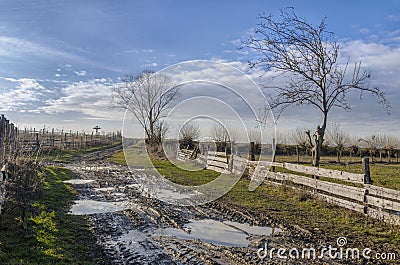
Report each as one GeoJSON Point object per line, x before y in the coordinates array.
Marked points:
{"type": "Point", "coordinates": [135, 229]}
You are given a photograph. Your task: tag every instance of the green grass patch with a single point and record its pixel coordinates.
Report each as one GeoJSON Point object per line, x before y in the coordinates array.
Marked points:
{"type": "Point", "coordinates": [172, 171]}
{"type": "Point", "coordinates": [52, 236]}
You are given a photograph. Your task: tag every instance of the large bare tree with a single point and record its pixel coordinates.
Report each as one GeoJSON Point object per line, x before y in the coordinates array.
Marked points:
{"type": "Point", "coordinates": [309, 55]}
{"type": "Point", "coordinates": [147, 96]}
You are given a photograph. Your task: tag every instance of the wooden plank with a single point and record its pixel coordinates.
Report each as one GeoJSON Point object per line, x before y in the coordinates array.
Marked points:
{"type": "Point", "coordinates": [217, 164]}
{"type": "Point", "coordinates": [293, 178]}
{"type": "Point", "coordinates": [216, 158]}
{"type": "Point", "coordinates": [216, 153]}
{"type": "Point", "coordinates": [328, 173]}
{"type": "Point", "coordinates": [218, 169]}
{"type": "Point", "coordinates": [334, 188]}
{"type": "Point", "coordinates": [240, 159]}
{"type": "Point", "coordinates": [383, 192]}
{"type": "Point", "coordinates": [343, 203]}
{"type": "Point", "coordinates": [383, 203]}
{"type": "Point", "coordinates": [342, 190]}
{"type": "Point", "coordinates": [265, 164]}
{"type": "Point", "coordinates": [384, 216]}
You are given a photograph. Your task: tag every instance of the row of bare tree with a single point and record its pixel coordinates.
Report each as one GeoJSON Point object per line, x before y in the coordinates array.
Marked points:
{"type": "Point", "coordinates": [381, 144]}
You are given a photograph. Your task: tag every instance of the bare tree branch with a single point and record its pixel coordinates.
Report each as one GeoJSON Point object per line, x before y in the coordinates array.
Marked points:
{"type": "Point", "coordinates": [310, 56]}
{"type": "Point", "coordinates": [147, 96]}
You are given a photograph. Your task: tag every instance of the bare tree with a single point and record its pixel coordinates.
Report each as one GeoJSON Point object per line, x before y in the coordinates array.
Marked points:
{"type": "Point", "coordinates": [255, 136]}
{"type": "Point", "coordinates": [189, 132]}
{"type": "Point", "coordinates": [354, 147]}
{"type": "Point", "coordinates": [310, 55]}
{"type": "Point", "coordinates": [147, 96]}
{"type": "Point", "coordinates": [299, 139]}
{"type": "Point", "coordinates": [390, 144]}
{"type": "Point", "coordinates": [372, 143]}
{"type": "Point", "coordinates": [224, 135]}
{"type": "Point", "coordinates": [339, 139]}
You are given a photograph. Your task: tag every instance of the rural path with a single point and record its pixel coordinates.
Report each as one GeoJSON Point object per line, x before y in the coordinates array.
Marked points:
{"type": "Point", "coordinates": [135, 229]}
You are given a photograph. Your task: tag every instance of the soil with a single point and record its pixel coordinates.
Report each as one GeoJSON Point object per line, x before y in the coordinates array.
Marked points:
{"type": "Point", "coordinates": [142, 230]}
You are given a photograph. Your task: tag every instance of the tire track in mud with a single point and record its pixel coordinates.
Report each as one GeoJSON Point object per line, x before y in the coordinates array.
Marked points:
{"type": "Point", "coordinates": [137, 235]}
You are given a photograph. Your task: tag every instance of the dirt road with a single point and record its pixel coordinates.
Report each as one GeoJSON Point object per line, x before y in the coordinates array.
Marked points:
{"type": "Point", "coordinates": [135, 229]}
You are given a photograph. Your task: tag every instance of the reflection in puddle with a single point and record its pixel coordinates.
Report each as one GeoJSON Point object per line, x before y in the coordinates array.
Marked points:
{"type": "Point", "coordinates": [227, 233]}
{"type": "Point", "coordinates": [79, 181]}
{"type": "Point", "coordinates": [254, 230]}
{"type": "Point", "coordinates": [82, 207]}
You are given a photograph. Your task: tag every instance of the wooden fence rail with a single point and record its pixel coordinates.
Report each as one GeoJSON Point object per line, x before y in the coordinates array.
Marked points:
{"type": "Point", "coordinates": [355, 191]}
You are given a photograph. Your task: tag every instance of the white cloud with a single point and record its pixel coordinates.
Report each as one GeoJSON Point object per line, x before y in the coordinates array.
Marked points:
{"type": "Point", "coordinates": [80, 73]}
{"type": "Point", "coordinates": [394, 18]}
{"type": "Point", "coordinates": [151, 64]}
{"type": "Point", "coordinates": [91, 98]}
{"type": "Point", "coordinates": [27, 92]}
{"type": "Point", "coordinates": [140, 51]}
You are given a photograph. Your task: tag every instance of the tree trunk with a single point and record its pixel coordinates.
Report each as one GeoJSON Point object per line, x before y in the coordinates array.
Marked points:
{"type": "Point", "coordinates": [319, 139]}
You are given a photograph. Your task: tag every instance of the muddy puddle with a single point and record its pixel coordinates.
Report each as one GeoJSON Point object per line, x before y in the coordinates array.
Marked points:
{"type": "Point", "coordinates": [83, 207]}
{"type": "Point", "coordinates": [79, 181]}
{"type": "Point", "coordinates": [227, 233]}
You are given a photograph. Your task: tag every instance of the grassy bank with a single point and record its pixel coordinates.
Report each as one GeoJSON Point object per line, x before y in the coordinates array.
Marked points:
{"type": "Point", "coordinates": [52, 235]}
{"type": "Point", "coordinates": [293, 207]}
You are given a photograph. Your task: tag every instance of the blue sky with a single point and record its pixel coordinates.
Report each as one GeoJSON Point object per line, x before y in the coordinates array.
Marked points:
{"type": "Point", "coordinates": [59, 59]}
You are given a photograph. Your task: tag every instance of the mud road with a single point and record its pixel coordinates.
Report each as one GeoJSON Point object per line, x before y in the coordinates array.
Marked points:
{"type": "Point", "coordinates": [132, 228]}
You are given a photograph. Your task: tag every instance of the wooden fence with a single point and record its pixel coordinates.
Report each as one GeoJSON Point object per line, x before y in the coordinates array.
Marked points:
{"type": "Point", "coordinates": [14, 142]}
{"type": "Point", "coordinates": [45, 140]}
{"type": "Point", "coordinates": [354, 191]}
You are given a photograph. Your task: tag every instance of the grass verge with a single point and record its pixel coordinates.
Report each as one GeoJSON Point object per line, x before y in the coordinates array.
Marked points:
{"type": "Point", "coordinates": [53, 236]}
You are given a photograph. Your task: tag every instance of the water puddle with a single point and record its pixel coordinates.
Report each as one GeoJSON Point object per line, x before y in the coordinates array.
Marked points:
{"type": "Point", "coordinates": [226, 233]}
{"type": "Point", "coordinates": [106, 189]}
{"type": "Point", "coordinates": [254, 230]}
{"type": "Point", "coordinates": [79, 181]}
{"type": "Point", "coordinates": [82, 207]}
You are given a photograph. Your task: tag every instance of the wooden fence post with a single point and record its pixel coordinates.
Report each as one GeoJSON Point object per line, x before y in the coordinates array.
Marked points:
{"type": "Point", "coordinates": [366, 171]}
{"type": "Point", "coordinates": [274, 153]}
{"type": "Point", "coordinates": [230, 164]}
{"type": "Point", "coordinates": [252, 151]}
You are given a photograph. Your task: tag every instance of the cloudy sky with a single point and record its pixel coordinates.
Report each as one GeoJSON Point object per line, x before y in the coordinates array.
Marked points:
{"type": "Point", "coordinates": [59, 59]}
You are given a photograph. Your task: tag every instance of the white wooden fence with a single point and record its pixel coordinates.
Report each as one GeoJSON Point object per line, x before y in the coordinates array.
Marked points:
{"type": "Point", "coordinates": [377, 202]}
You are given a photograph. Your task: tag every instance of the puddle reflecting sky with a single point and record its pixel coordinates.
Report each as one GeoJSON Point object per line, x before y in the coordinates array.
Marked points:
{"type": "Point", "coordinates": [230, 234]}
{"type": "Point", "coordinates": [82, 207]}
{"type": "Point", "coordinates": [79, 181]}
